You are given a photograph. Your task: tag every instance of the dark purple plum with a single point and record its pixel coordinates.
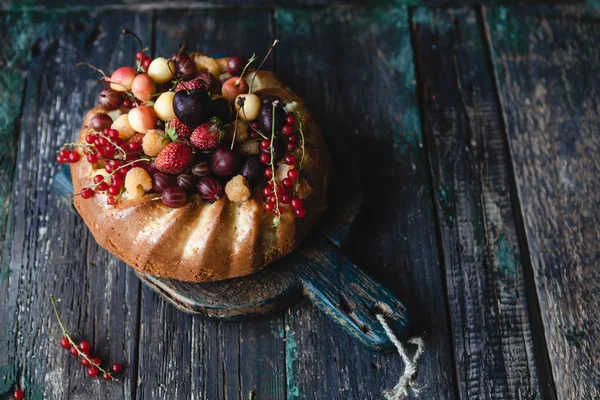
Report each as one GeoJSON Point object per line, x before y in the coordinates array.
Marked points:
{"type": "Point", "coordinates": [252, 169]}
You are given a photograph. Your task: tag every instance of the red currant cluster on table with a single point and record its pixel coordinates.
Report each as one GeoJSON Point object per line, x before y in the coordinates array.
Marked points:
{"type": "Point", "coordinates": [83, 352]}
{"type": "Point", "coordinates": [190, 126]}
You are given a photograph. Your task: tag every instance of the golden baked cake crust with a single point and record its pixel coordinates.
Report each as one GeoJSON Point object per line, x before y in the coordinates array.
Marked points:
{"type": "Point", "coordinates": [204, 241]}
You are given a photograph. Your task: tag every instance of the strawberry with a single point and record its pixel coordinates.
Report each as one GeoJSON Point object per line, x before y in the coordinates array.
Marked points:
{"type": "Point", "coordinates": [174, 159]}
{"type": "Point", "coordinates": [182, 131]}
{"type": "Point", "coordinates": [207, 135]}
{"type": "Point", "coordinates": [194, 83]}
{"type": "Point", "coordinates": [138, 137]}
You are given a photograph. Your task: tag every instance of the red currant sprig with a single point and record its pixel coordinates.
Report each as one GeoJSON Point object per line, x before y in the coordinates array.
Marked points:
{"type": "Point", "coordinates": [66, 156]}
{"type": "Point", "coordinates": [273, 181]}
{"type": "Point", "coordinates": [83, 352]}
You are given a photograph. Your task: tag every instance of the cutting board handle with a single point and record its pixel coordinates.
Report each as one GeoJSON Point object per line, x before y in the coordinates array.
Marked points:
{"type": "Point", "coordinates": [349, 296]}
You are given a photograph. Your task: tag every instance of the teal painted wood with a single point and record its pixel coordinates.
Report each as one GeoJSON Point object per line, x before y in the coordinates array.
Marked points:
{"type": "Point", "coordinates": [49, 251]}
{"type": "Point", "coordinates": [494, 333]}
{"type": "Point", "coordinates": [354, 67]}
{"type": "Point", "coordinates": [547, 75]}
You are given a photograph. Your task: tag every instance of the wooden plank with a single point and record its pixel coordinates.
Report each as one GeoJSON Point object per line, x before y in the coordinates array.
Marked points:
{"type": "Point", "coordinates": [354, 68]}
{"type": "Point", "coordinates": [547, 74]}
{"type": "Point", "coordinates": [205, 358]}
{"type": "Point", "coordinates": [49, 251]}
{"type": "Point", "coordinates": [493, 333]}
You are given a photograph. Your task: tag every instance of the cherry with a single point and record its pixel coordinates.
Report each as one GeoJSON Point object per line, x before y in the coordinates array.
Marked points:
{"type": "Point", "coordinates": [111, 201]}
{"type": "Point", "coordinates": [290, 159]}
{"type": "Point", "coordinates": [73, 351]}
{"type": "Point", "coordinates": [19, 394]}
{"type": "Point", "coordinates": [300, 212]}
{"type": "Point", "coordinates": [287, 130]}
{"type": "Point", "coordinates": [293, 174]}
{"type": "Point", "coordinates": [116, 368]}
{"type": "Point", "coordinates": [139, 55]}
{"type": "Point", "coordinates": [297, 203]}
{"type": "Point", "coordinates": [64, 341]}
{"type": "Point", "coordinates": [84, 347]}
{"type": "Point", "coordinates": [235, 65]}
{"type": "Point", "coordinates": [92, 371]}
{"type": "Point", "coordinates": [85, 193]}
{"type": "Point", "coordinates": [290, 119]}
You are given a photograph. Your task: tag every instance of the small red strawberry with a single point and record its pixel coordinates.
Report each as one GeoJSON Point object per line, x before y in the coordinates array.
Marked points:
{"type": "Point", "coordinates": [208, 135]}
{"type": "Point", "coordinates": [174, 159]}
{"type": "Point", "coordinates": [195, 83]}
{"type": "Point", "coordinates": [181, 130]}
{"type": "Point", "coordinates": [138, 138]}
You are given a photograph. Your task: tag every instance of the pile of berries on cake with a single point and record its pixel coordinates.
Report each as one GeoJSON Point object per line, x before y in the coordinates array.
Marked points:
{"type": "Point", "coordinates": [189, 128]}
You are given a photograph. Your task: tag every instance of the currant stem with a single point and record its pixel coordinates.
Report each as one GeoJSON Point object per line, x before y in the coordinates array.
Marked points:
{"type": "Point", "coordinates": [261, 64]}
{"type": "Point", "coordinates": [277, 218]}
{"type": "Point", "coordinates": [302, 147]}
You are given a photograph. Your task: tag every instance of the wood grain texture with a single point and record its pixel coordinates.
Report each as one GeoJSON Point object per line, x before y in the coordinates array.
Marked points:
{"type": "Point", "coordinates": [491, 324]}
{"type": "Point", "coordinates": [199, 357]}
{"type": "Point", "coordinates": [49, 251]}
{"type": "Point", "coordinates": [337, 60]}
{"type": "Point", "coordinates": [547, 74]}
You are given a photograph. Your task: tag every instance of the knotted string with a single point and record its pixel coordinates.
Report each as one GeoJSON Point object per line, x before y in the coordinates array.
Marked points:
{"type": "Point", "coordinates": [400, 391]}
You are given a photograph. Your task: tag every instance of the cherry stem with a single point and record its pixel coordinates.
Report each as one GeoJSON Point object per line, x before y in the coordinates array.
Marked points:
{"type": "Point", "coordinates": [263, 61]}
{"type": "Point", "coordinates": [128, 32]}
{"type": "Point", "coordinates": [277, 218]}
{"type": "Point", "coordinates": [177, 79]}
{"type": "Point", "coordinates": [250, 61]}
{"type": "Point", "coordinates": [255, 130]}
{"type": "Point", "coordinates": [235, 126]}
{"type": "Point", "coordinates": [74, 345]}
{"type": "Point", "coordinates": [95, 69]}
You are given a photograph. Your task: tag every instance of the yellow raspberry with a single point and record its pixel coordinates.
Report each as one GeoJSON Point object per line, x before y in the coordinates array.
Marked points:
{"type": "Point", "coordinates": [122, 125]}
{"type": "Point", "coordinates": [237, 189]}
{"type": "Point", "coordinates": [154, 141]}
{"type": "Point", "coordinates": [137, 182]}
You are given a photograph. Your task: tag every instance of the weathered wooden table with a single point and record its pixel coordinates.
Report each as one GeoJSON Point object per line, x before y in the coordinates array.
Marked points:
{"type": "Point", "coordinates": [476, 132]}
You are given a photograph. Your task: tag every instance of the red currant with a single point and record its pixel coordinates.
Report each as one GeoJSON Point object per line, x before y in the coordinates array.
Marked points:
{"type": "Point", "coordinates": [265, 144]}
{"type": "Point", "coordinates": [96, 361]}
{"type": "Point", "coordinates": [73, 351]}
{"type": "Point", "coordinates": [300, 212]}
{"type": "Point", "coordinates": [254, 126]}
{"type": "Point", "coordinates": [291, 146]}
{"type": "Point", "coordinates": [290, 159]}
{"type": "Point", "coordinates": [19, 394]}
{"type": "Point", "coordinates": [113, 134]}
{"type": "Point", "coordinates": [267, 191]}
{"type": "Point", "coordinates": [85, 193]}
{"type": "Point", "coordinates": [290, 119]}
{"type": "Point", "coordinates": [111, 201]}
{"type": "Point", "coordinates": [74, 157]}
{"type": "Point", "coordinates": [134, 147]}
{"type": "Point", "coordinates": [127, 103]}
{"type": "Point", "coordinates": [265, 158]}
{"type": "Point", "coordinates": [116, 368]}
{"type": "Point", "coordinates": [287, 130]}
{"type": "Point", "coordinates": [113, 190]}
{"type": "Point", "coordinates": [64, 341]}
{"type": "Point", "coordinates": [92, 371]}
{"type": "Point", "coordinates": [268, 173]}
{"type": "Point", "coordinates": [269, 206]}
{"type": "Point", "coordinates": [101, 141]}
{"type": "Point", "coordinates": [64, 153]}
{"type": "Point", "coordinates": [92, 158]}
{"type": "Point", "coordinates": [60, 160]}
{"type": "Point", "coordinates": [102, 186]}
{"type": "Point", "coordinates": [117, 181]}
{"type": "Point", "coordinates": [293, 139]}
{"type": "Point", "coordinates": [285, 198]}
{"type": "Point", "coordinates": [108, 168]}
{"type": "Point", "coordinates": [90, 139]}
{"type": "Point", "coordinates": [293, 174]}
{"type": "Point", "coordinates": [287, 183]}
{"type": "Point", "coordinates": [85, 362]}
{"type": "Point", "coordinates": [84, 347]}
{"type": "Point", "coordinates": [297, 203]}
{"type": "Point", "coordinates": [106, 376]}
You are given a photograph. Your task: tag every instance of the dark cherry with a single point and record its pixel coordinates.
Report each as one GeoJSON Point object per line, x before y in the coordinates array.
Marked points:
{"type": "Point", "coordinates": [185, 68]}
{"type": "Point", "coordinates": [192, 108]}
{"type": "Point", "coordinates": [100, 121]}
{"type": "Point", "coordinates": [110, 99]}
{"type": "Point", "coordinates": [162, 181]}
{"type": "Point", "coordinates": [224, 162]}
{"type": "Point", "coordinates": [214, 84]}
{"type": "Point", "coordinates": [235, 65]}
{"type": "Point", "coordinates": [221, 108]}
{"type": "Point", "coordinates": [210, 189]}
{"type": "Point", "coordinates": [201, 169]}
{"type": "Point", "coordinates": [252, 170]}
{"type": "Point", "coordinates": [187, 182]}
{"type": "Point", "coordinates": [174, 197]}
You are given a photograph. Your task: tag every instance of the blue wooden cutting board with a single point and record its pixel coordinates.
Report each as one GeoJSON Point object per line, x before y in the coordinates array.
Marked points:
{"type": "Point", "coordinates": [317, 269]}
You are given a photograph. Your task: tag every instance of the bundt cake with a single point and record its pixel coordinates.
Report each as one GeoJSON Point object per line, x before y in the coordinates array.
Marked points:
{"type": "Point", "coordinates": [198, 169]}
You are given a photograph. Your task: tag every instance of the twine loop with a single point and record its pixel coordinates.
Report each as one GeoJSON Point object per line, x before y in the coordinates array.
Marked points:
{"type": "Point", "coordinates": [407, 380]}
